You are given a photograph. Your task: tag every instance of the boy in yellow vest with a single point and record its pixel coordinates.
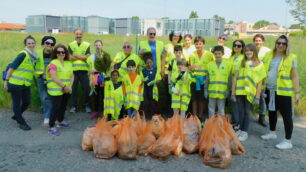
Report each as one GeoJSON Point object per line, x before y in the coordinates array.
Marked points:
{"type": "Point", "coordinates": [217, 80]}
{"type": "Point", "coordinates": [132, 89]}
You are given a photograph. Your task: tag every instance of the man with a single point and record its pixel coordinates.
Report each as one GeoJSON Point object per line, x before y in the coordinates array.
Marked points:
{"type": "Point", "coordinates": [44, 58]}
{"type": "Point", "coordinates": [227, 51]}
{"type": "Point", "coordinates": [79, 52]}
{"type": "Point", "coordinates": [259, 41]}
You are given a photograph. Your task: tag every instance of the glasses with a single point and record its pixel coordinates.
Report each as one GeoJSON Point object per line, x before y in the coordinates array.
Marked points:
{"type": "Point", "coordinates": [222, 38]}
{"type": "Point", "coordinates": [152, 34]}
{"type": "Point", "coordinates": [237, 46]}
{"type": "Point", "coordinates": [60, 52]}
{"type": "Point", "coordinates": [48, 43]}
{"type": "Point", "coordinates": [125, 47]}
{"type": "Point", "coordinates": [282, 43]}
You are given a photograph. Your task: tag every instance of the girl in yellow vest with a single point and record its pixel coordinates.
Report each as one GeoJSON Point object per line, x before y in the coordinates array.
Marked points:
{"type": "Point", "coordinates": [282, 84]}
{"type": "Point", "coordinates": [150, 91]}
{"type": "Point", "coordinates": [60, 78]}
{"type": "Point", "coordinates": [132, 89]}
{"type": "Point", "coordinates": [173, 67]}
{"type": "Point", "coordinates": [246, 86]}
{"type": "Point", "coordinates": [198, 61]}
{"type": "Point", "coordinates": [113, 97]}
{"type": "Point", "coordinates": [188, 47]}
{"type": "Point", "coordinates": [217, 80]}
{"type": "Point", "coordinates": [175, 39]}
{"type": "Point", "coordinates": [180, 88]}
{"type": "Point", "coordinates": [18, 80]}
{"type": "Point", "coordinates": [235, 60]}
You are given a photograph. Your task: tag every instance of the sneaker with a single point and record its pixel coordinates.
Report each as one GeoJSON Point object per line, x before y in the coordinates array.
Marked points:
{"type": "Point", "coordinates": [236, 127]}
{"type": "Point", "coordinates": [243, 136]}
{"type": "Point", "coordinates": [73, 109]}
{"type": "Point", "coordinates": [63, 124]}
{"type": "Point", "coordinates": [87, 109]}
{"type": "Point", "coordinates": [261, 120]}
{"type": "Point", "coordinates": [285, 144]}
{"type": "Point", "coordinates": [238, 133]}
{"type": "Point", "coordinates": [53, 131]}
{"type": "Point", "coordinates": [94, 115]}
{"type": "Point", "coordinates": [269, 136]}
{"type": "Point", "coordinates": [25, 127]}
{"type": "Point", "coordinates": [46, 121]}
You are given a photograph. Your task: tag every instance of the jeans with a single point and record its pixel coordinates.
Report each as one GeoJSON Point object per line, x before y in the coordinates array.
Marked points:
{"type": "Point", "coordinates": [21, 96]}
{"type": "Point", "coordinates": [59, 104]}
{"type": "Point", "coordinates": [80, 77]}
{"type": "Point", "coordinates": [245, 112]}
{"type": "Point", "coordinates": [212, 103]}
{"type": "Point", "coordinates": [45, 98]}
{"type": "Point", "coordinates": [262, 105]}
{"type": "Point", "coordinates": [97, 99]}
{"type": "Point", "coordinates": [235, 112]}
{"type": "Point", "coordinates": [131, 112]}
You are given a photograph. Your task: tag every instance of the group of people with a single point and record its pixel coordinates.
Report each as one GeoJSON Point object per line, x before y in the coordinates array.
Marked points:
{"type": "Point", "coordinates": [179, 77]}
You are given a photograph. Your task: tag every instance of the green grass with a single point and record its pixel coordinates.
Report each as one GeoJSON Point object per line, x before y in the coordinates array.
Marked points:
{"type": "Point", "coordinates": [12, 42]}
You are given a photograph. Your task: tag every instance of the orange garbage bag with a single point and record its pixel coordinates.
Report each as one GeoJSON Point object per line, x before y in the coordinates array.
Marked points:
{"type": "Point", "coordinates": [158, 125]}
{"type": "Point", "coordinates": [127, 139]}
{"type": "Point", "coordinates": [191, 134]}
{"type": "Point", "coordinates": [87, 139]}
{"type": "Point", "coordinates": [140, 123]}
{"type": "Point", "coordinates": [104, 142]}
{"type": "Point", "coordinates": [146, 141]}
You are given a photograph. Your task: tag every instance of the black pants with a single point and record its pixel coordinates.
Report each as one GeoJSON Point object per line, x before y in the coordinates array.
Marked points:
{"type": "Point", "coordinates": [97, 99]}
{"type": "Point", "coordinates": [164, 98]}
{"type": "Point", "coordinates": [21, 96]}
{"type": "Point", "coordinates": [283, 104]}
{"type": "Point", "coordinates": [80, 77]}
{"type": "Point", "coordinates": [59, 104]}
{"type": "Point", "coordinates": [149, 105]}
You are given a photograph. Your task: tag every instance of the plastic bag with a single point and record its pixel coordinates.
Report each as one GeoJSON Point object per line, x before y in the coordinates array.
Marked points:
{"type": "Point", "coordinates": [158, 125]}
{"type": "Point", "coordinates": [104, 142]}
{"type": "Point", "coordinates": [88, 136]}
{"type": "Point", "coordinates": [191, 134]}
{"type": "Point", "coordinates": [140, 123]}
{"type": "Point", "coordinates": [146, 141]}
{"type": "Point", "coordinates": [127, 140]}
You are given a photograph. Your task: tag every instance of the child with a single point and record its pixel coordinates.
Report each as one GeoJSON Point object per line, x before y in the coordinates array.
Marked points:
{"type": "Point", "coordinates": [247, 85]}
{"type": "Point", "coordinates": [113, 97]}
{"type": "Point", "coordinates": [180, 89]}
{"type": "Point", "coordinates": [217, 80]}
{"type": "Point", "coordinates": [173, 67]}
{"type": "Point", "coordinates": [150, 95]}
{"type": "Point", "coordinates": [132, 89]}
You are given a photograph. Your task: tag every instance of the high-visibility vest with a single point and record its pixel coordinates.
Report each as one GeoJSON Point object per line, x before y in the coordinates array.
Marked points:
{"type": "Point", "coordinates": [175, 70]}
{"type": "Point", "coordinates": [24, 74]}
{"type": "Point", "coordinates": [133, 98]}
{"type": "Point", "coordinates": [113, 100]}
{"type": "Point", "coordinates": [194, 59]}
{"type": "Point", "coordinates": [218, 79]}
{"type": "Point", "coordinates": [169, 48]}
{"type": "Point", "coordinates": [63, 73]}
{"type": "Point", "coordinates": [155, 88]}
{"type": "Point", "coordinates": [40, 66]}
{"type": "Point", "coordinates": [144, 45]}
{"type": "Point", "coordinates": [284, 80]}
{"type": "Point", "coordinates": [235, 62]}
{"type": "Point", "coordinates": [79, 50]}
{"type": "Point", "coordinates": [182, 100]}
{"type": "Point", "coordinates": [123, 70]}
{"type": "Point", "coordinates": [262, 52]}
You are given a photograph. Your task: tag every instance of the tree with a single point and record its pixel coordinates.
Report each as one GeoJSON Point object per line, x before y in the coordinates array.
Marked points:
{"type": "Point", "coordinates": [295, 26]}
{"type": "Point", "coordinates": [230, 22]}
{"type": "Point", "coordinates": [135, 17]}
{"type": "Point", "coordinates": [260, 24]}
{"type": "Point", "coordinates": [299, 10]}
{"type": "Point", "coordinates": [217, 17]}
{"type": "Point", "coordinates": [193, 15]}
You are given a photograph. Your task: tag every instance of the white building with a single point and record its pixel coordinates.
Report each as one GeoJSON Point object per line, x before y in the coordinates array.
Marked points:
{"type": "Point", "coordinates": [158, 24]}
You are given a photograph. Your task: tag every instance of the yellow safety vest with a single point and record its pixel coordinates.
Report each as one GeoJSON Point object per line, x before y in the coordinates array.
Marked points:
{"type": "Point", "coordinates": [63, 73]}
{"type": "Point", "coordinates": [218, 79]}
{"type": "Point", "coordinates": [182, 100]}
{"type": "Point", "coordinates": [194, 59]}
{"type": "Point", "coordinates": [175, 70]}
{"type": "Point", "coordinates": [284, 80]}
{"type": "Point", "coordinates": [40, 66]}
{"type": "Point", "coordinates": [144, 45]}
{"type": "Point", "coordinates": [113, 100]}
{"type": "Point", "coordinates": [155, 88]}
{"type": "Point", "coordinates": [79, 50]}
{"type": "Point", "coordinates": [123, 68]}
{"type": "Point", "coordinates": [133, 98]}
{"type": "Point", "coordinates": [235, 62]}
{"type": "Point", "coordinates": [169, 48]}
{"type": "Point", "coordinates": [23, 75]}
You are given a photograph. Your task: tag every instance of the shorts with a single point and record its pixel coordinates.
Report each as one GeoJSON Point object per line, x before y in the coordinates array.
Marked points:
{"type": "Point", "coordinates": [197, 95]}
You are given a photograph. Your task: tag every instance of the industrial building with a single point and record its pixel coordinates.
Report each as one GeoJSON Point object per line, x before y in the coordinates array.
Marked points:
{"type": "Point", "coordinates": [125, 26]}
{"type": "Point", "coordinates": [43, 23]}
{"type": "Point", "coordinates": [98, 25]}
{"type": "Point", "coordinates": [70, 23]}
{"type": "Point", "coordinates": [158, 24]}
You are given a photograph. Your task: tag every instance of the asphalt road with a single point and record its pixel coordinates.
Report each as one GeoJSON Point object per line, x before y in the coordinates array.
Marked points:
{"type": "Point", "coordinates": [36, 150]}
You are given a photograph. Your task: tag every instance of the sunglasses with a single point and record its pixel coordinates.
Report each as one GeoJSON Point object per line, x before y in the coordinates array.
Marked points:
{"type": "Point", "coordinates": [60, 52]}
{"type": "Point", "coordinates": [48, 43]}
{"type": "Point", "coordinates": [222, 38]}
{"type": "Point", "coordinates": [237, 46]}
{"type": "Point", "coordinates": [153, 34]}
{"type": "Point", "coordinates": [282, 43]}
{"type": "Point", "coordinates": [126, 47]}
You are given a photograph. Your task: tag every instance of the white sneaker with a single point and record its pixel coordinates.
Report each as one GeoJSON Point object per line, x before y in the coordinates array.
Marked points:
{"type": "Point", "coordinates": [243, 136]}
{"type": "Point", "coordinates": [238, 132]}
{"type": "Point", "coordinates": [46, 121]}
{"type": "Point", "coordinates": [269, 136]}
{"type": "Point", "coordinates": [285, 144]}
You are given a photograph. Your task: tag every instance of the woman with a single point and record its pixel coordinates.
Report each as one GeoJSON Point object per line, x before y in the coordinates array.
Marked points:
{"type": "Point", "coordinates": [175, 39]}
{"type": "Point", "coordinates": [60, 78]}
{"type": "Point", "coordinates": [235, 60]}
{"type": "Point", "coordinates": [188, 48]}
{"type": "Point", "coordinates": [247, 85]}
{"type": "Point", "coordinates": [282, 84]}
{"type": "Point", "coordinates": [99, 67]}
{"type": "Point", "coordinates": [19, 79]}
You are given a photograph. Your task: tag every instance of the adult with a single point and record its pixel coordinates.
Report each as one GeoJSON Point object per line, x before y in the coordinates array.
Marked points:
{"type": "Point", "coordinates": [222, 39]}
{"type": "Point", "coordinates": [79, 52]}
{"type": "Point", "coordinates": [188, 47]}
{"type": "Point", "coordinates": [19, 78]}
{"type": "Point", "coordinates": [60, 78]}
{"type": "Point", "coordinates": [259, 41]}
{"type": "Point", "coordinates": [282, 84]}
{"type": "Point", "coordinates": [44, 58]}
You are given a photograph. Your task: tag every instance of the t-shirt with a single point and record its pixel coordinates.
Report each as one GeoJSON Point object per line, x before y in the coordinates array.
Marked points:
{"type": "Point", "coordinates": [117, 85]}
{"type": "Point", "coordinates": [153, 51]}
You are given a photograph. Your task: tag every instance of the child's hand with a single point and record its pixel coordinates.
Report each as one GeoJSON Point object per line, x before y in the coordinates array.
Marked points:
{"type": "Point", "coordinates": [145, 79]}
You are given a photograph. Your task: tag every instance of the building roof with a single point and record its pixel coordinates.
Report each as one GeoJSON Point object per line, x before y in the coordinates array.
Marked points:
{"type": "Point", "coordinates": [9, 26]}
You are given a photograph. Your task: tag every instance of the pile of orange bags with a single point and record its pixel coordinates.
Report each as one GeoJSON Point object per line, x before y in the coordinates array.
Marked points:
{"type": "Point", "coordinates": [131, 137]}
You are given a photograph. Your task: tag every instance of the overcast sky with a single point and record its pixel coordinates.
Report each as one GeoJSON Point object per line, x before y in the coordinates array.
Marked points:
{"type": "Point", "coordinates": [15, 11]}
